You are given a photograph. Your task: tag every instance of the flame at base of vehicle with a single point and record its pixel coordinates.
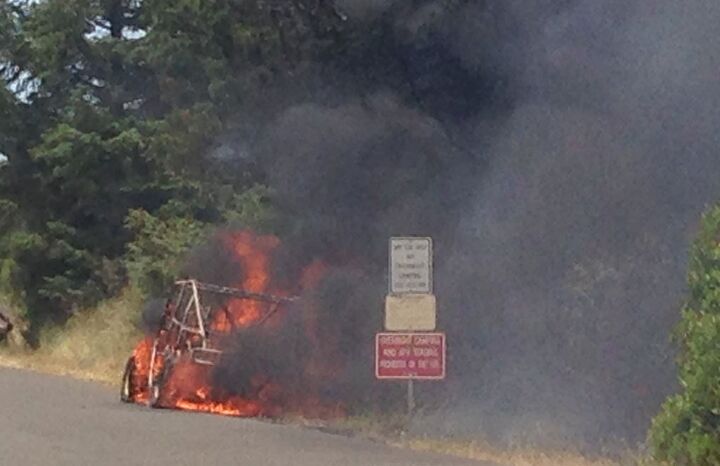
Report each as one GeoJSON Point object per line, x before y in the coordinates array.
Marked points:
{"type": "Point", "coordinates": [138, 370]}
{"type": "Point", "coordinates": [189, 388]}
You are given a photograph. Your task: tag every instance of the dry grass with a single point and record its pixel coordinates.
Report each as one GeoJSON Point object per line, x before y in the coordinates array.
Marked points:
{"type": "Point", "coordinates": [92, 345]}
{"type": "Point", "coordinates": [391, 430]}
{"type": "Point", "coordinates": [517, 457]}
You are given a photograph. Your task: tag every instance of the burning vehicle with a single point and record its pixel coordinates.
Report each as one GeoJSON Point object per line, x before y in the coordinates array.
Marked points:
{"type": "Point", "coordinates": [251, 349]}
{"type": "Point", "coordinates": [197, 318]}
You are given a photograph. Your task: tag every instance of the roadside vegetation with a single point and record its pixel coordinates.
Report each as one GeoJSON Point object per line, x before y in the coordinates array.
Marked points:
{"type": "Point", "coordinates": [687, 431]}
{"type": "Point", "coordinates": [109, 162]}
{"type": "Point", "coordinates": [91, 345]}
{"type": "Point", "coordinates": [392, 429]}
{"type": "Point", "coordinates": [521, 455]}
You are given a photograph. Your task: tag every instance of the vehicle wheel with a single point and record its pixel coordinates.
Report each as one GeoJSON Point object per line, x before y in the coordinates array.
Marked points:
{"type": "Point", "coordinates": [154, 375]}
{"type": "Point", "coordinates": [160, 366]}
{"type": "Point", "coordinates": [154, 398]}
{"type": "Point", "coordinates": [126, 390]}
{"type": "Point", "coordinates": [156, 389]}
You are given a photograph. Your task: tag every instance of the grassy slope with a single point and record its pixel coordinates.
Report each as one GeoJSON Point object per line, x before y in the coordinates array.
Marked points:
{"type": "Point", "coordinates": [519, 456]}
{"type": "Point", "coordinates": [92, 345]}
{"type": "Point", "coordinates": [390, 430]}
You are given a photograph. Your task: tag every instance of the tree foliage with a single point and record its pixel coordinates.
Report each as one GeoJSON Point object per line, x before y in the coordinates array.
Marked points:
{"type": "Point", "coordinates": [109, 117]}
{"type": "Point", "coordinates": [159, 245]}
{"type": "Point", "coordinates": [687, 431]}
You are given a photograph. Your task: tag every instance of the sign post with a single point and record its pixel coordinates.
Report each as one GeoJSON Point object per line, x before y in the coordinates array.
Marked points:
{"type": "Point", "coordinates": [410, 356]}
{"type": "Point", "coordinates": [410, 398]}
{"type": "Point", "coordinates": [410, 308]}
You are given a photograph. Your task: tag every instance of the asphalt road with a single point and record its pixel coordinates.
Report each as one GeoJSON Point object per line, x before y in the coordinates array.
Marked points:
{"type": "Point", "coordinates": [55, 421]}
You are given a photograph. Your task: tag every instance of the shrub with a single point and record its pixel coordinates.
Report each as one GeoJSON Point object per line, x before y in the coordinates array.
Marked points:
{"type": "Point", "coordinates": [687, 430]}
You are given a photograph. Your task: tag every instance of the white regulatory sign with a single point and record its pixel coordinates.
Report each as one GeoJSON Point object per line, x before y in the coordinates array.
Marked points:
{"type": "Point", "coordinates": [410, 265]}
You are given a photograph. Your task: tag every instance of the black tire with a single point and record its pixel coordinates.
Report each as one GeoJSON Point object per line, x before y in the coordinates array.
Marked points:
{"type": "Point", "coordinates": [126, 390]}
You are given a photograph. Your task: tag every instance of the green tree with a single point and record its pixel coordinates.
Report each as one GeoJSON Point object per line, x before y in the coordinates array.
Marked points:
{"type": "Point", "coordinates": [687, 430]}
{"type": "Point", "coordinates": [115, 107]}
{"type": "Point", "coordinates": [155, 255]}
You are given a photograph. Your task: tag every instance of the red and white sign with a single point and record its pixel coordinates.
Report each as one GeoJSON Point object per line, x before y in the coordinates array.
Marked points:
{"type": "Point", "coordinates": [410, 356]}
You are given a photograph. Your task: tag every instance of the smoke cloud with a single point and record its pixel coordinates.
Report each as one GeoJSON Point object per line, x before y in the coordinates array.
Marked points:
{"type": "Point", "coordinates": [559, 152]}
{"type": "Point", "coordinates": [576, 246]}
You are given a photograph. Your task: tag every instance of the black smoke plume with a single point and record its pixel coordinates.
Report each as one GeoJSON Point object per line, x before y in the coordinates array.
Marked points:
{"type": "Point", "coordinates": [559, 152]}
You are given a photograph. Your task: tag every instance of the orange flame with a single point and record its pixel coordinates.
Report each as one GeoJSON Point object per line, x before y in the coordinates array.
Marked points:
{"type": "Point", "coordinates": [253, 254]}
{"type": "Point", "coordinates": [141, 360]}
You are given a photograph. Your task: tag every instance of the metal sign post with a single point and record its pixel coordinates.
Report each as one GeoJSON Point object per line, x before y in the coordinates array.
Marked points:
{"type": "Point", "coordinates": [410, 356]}
{"type": "Point", "coordinates": [411, 398]}
{"type": "Point", "coordinates": [410, 307]}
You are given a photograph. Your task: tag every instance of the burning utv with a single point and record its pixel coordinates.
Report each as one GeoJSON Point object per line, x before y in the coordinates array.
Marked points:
{"type": "Point", "coordinates": [194, 323]}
